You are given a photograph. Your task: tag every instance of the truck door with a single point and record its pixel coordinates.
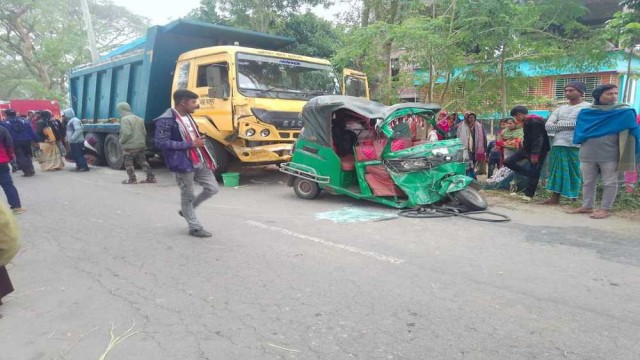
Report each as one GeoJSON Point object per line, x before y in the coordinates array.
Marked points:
{"type": "Point", "coordinates": [355, 83]}
{"type": "Point", "coordinates": [212, 85]}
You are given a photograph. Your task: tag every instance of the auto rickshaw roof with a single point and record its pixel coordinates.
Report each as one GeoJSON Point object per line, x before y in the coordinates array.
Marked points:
{"type": "Point", "coordinates": [318, 112]}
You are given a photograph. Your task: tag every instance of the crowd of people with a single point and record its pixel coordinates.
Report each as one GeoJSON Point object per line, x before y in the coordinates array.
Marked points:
{"type": "Point", "coordinates": [176, 134]}
{"type": "Point", "coordinates": [577, 143]}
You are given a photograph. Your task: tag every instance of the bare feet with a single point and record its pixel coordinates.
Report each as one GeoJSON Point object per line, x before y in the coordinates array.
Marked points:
{"type": "Point", "coordinates": [600, 214]}
{"type": "Point", "coordinates": [581, 210]}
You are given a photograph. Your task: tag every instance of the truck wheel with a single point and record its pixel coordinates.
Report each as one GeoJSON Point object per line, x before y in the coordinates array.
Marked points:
{"type": "Point", "coordinates": [113, 152]}
{"type": "Point", "coordinates": [100, 159]}
{"type": "Point", "coordinates": [220, 155]}
{"type": "Point", "coordinates": [306, 189]}
{"type": "Point", "coordinates": [471, 199]}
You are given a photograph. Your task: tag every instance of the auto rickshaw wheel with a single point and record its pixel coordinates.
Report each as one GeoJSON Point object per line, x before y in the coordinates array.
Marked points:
{"type": "Point", "coordinates": [306, 189]}
{"type": "Point", "coordinates": [471, 199]}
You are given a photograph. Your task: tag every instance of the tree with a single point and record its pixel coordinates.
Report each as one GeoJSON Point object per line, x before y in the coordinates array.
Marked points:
{"type": "Point", "coordinates": [624, 31]}
{"type": "Point", "coordinates": [314, 36]}
{"type": "Point", "coordinates": [498, 33]}
{"type": "Point", "coordinates": [429, 42]}
{"type": "Point", "coordinates": [368, 46]}
{"type": "Point", "coordinates": [258, 15]}
{"type": "Point", "coordinates": [631, 4]}
{"type": "Point", "coordinates": [45, 40]}
{"type": "Point", "coordinates": [208, 11]}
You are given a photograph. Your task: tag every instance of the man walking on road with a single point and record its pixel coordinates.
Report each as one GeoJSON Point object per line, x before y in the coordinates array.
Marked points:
{"type": "Point", "coordinates": [76, 139]}
{"type": "Point", "coordinates": [133, 137]}
{"type": "Point", "coordinates": [6, 154]}
{"type": "Point", "coordinates": [23, 136]}
{"type": "Point", "coordinates": [186, 155]}
{"type": "Point", "coordinates": [608, 132]}
{"type": "Point", "coordinates": [535, 147]}
{"type": "Point", "coordinates": [564, 162]}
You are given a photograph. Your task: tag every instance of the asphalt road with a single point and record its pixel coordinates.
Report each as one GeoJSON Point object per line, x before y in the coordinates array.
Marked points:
{"type": "Point", "coordinates": [285, 278]}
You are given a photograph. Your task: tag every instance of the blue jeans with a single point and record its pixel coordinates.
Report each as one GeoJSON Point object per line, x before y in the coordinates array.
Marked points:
{"type": "Point", "coordinates": [77, 152]}
{"type": "Point", "coordinates": [9, 189]}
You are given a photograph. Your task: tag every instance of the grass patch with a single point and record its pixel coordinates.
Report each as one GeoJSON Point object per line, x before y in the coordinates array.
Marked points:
{"type": "Point", "coordinates": [626, 202]}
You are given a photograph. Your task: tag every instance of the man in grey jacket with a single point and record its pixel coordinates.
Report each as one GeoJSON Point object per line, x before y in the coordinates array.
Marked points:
{"type": "Point", "coordinates": [133, 137]}
{"type": "Point", "coordinates": [76, 139]}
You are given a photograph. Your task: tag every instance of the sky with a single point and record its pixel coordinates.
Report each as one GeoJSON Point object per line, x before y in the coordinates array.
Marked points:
{"type": "Point", "coordinates": [164, 12]}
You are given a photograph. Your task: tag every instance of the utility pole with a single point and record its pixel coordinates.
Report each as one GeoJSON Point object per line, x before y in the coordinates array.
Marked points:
{"type": "Point", "coordinates": [91, 36]}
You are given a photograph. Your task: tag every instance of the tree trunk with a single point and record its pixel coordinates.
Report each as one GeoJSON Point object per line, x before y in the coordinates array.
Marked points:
{"type": "Point", "coordinates": [366, 12]}
{"type": "Point", "coordinates": [387, 46]}
{"type": "Point", "coordinates": [503, 82]}
{"type": "Point", "coordinates": [453, 14]}
{"type": "Point", "coordinates": [432, 81]}
{"type": "Point", "coordinates": [627, 82]}
{"type": "Point", "coordinates": [446, 87]}
{"type": "Point", "coordinates": [28, 49]}
{"type": "Point", "coordinates": [393, 12]}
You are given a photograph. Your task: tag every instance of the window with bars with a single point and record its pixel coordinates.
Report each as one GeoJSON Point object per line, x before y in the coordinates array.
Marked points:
{"type": "Point", "coordinates": [590, 81]}
{"type": "Point", "coordinates": [535, 89]}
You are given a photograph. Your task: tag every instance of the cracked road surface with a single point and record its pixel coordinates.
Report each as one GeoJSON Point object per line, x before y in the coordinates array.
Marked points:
{"type": "Point", "coordinates": [276, 282]}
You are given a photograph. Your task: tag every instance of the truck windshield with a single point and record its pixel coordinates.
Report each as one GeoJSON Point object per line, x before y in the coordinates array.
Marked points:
{"type": "Point", "coordinates": [271, 77]}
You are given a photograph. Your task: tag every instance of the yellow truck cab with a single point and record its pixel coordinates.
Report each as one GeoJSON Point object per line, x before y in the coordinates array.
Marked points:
{"type": "Point", "coordinates": [250, 99]}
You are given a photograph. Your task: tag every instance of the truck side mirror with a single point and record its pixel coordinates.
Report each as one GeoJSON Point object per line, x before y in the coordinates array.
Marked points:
{"type": "Point", "coordinates": [214, 80]}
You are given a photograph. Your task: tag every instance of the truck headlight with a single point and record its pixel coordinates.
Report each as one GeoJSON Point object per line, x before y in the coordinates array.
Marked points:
{"type": "Point", "coordinates": [250, 132]}
{"type": "Point", "coordinates": [265, 133]}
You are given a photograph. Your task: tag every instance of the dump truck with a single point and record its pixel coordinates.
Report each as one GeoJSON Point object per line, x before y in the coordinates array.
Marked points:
{"type": "Point", "coordinates": [251, 94]}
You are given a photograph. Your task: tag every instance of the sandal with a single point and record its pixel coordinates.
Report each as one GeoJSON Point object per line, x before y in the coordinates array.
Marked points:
{"type": "Point", "coordinates": [151, 180]}
{"type": "Point", "coordinates": [130, 182]}
{"type": "Point", "coordinates": [600, 214]}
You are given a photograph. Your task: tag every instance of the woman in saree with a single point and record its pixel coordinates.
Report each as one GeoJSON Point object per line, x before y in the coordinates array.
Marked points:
{"type": "Point", "coordinates": [50, 157]}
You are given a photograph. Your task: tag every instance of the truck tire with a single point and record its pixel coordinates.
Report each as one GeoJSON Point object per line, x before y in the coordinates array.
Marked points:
{"type": "Point", "coordinates": [306, 189]}
{"type": "Point", "coordinates": [220, 155]}
{"type": "Point", "coordinates": [471, 199]}
{"type": "Point", "coordinates": [113, 152]}
{"type": "Point", "coordinates": [100, 159]}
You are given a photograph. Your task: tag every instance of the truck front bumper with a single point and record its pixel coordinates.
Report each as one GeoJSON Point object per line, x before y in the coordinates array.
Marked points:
{"type": "Point", "coordinates": [272, 153]}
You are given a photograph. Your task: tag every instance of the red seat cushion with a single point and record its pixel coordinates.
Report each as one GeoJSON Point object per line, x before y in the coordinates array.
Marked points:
{"type": "Point", "coordinates": [381, 182]}
{"type": "Point", "coordinates": [348, 163]}
{"type": "Point", "coordinates": [400, 144]}
{"type": "Point", "coordinates": [366, 152]}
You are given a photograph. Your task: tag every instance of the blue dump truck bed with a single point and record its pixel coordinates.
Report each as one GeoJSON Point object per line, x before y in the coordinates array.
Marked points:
{"type": "Point", "coordinates": [141, 73]}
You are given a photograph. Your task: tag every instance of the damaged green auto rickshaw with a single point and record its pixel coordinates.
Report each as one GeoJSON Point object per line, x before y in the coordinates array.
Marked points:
{"type": "Point", "coordinates": [366, 150]}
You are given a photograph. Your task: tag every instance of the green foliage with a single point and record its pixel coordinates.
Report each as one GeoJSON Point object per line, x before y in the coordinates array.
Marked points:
{"type": "Point", "coordinates": [315, 37]}
{"type": "Point", "coordinates": [208, 11]}
{"type": "Point", "coordinates": [40, 41]}
{"type": "Point", "coordinates": [258, 15]}
{"type": "Point", "coordinates": [624, 29]}
{"type": "Point", "coordinates": [631, 4]}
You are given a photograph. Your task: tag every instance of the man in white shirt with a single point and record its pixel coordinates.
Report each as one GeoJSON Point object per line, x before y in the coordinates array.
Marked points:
{"type": "Point", "coordinates": [564, 162]}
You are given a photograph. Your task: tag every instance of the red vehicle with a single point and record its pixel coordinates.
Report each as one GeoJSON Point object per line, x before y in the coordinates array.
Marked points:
{"type": "Point", "coordinates": [22, 106]}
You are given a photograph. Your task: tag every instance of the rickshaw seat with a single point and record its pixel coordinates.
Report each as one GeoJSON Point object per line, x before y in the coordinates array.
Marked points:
{"type": "Point", "coordinates": [372, 150]}
{"type": "Point", "coordinates": [401, 143]}
{"type": "Point", "coordinates": [381, 182]}
{"type": "Point", "coordinates": [348, 163]}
